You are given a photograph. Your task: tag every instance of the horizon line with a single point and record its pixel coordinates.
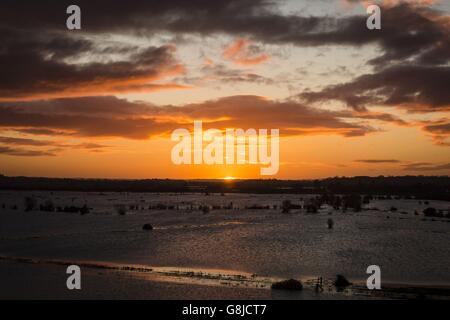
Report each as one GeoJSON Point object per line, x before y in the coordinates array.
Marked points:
{"type": "Point", "coordinates": [226, 179]}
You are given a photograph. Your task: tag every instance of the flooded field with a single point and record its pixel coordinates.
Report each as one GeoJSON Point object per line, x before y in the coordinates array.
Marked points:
{"type": "Point", "coordinates": [229, 240]}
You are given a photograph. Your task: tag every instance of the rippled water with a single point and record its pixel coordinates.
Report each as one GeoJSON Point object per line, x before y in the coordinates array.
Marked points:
{"type": "Point", "coordinates": [264, 242]}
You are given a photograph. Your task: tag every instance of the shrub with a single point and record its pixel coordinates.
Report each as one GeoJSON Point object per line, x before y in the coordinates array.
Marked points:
{"type": "Point", "coordinates": [352, 201]}
{"type": "Point", "coordinates": [431, 212]}
{"type": "Point", "coordinates": [84, 210]}
{"type": "Point", "coordinates": [341, 282]}
{"type": "Point", "coordinates": [121, 209]}
{"type": "Point", "coordinates": [30, 203]}
{"type": "Point", "coordinates": [47, 206]}
{"type": "Point", "coordinates": [311, 208]}
{"type": "Point", "coordinates": [286, 206]}
{"type": "Point", "coordinates": [204, 209]}
{"type": "Point", "coordinates": [330, 223]}
{"type": "Point", "coordinates": [147, 227]}
{"type": "Point", "coordinates": [291, 284]}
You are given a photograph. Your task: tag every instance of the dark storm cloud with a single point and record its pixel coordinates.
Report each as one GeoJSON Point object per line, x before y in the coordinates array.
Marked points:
{"type": "Point", "coordinates": [417, 88]}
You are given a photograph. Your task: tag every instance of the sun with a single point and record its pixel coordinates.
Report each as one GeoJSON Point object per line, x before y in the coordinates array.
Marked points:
{"type": "Point", "coordinates": [229, 178]}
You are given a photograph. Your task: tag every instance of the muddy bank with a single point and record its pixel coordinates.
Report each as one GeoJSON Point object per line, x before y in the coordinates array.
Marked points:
{"type": "Point", "coordinates": [184, 280]}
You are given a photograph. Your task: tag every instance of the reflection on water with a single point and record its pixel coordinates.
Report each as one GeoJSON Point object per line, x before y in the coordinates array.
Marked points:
{"type": "Point", "coordinates": [262, 242]}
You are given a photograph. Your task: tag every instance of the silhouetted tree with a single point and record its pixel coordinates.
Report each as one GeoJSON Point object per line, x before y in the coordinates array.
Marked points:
{"type": "Point", "coordinates": [30, 203]}
{"type": "Point", "coordinates": [286, 206]}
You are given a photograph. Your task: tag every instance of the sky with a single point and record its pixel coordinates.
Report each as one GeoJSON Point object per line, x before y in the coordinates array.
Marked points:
{"type": "Point", "coordinates": [102, 102]}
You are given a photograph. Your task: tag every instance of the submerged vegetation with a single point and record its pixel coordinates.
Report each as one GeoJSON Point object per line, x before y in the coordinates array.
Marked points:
{"type": "Point", "coordinates": [291, 284]}
{"type": "Point", "coordinates": [341, 282]}
{"type": "Point", "coordinates": [327, 203]}
{"type": "Point", "coordinates": [289, 219]}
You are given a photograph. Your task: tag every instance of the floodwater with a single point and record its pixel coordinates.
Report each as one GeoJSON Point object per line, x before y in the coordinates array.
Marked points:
{"type": "Point", "coordinates": [261, 243]}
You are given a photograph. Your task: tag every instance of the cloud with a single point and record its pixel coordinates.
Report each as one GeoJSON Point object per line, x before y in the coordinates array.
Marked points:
{"type": "Point", "coordinates": [24, 153]}
{"type": "Point", "coordinates": [414, 31]}
{"type": "Point", "coordinates": [408, 29]}
{"type": "Point", "coordinates": [137, 120]}
{"type": "Point", "coordinates": [42, 60]}
{"type": "Point", "coordinates": [439, 130]}
{"type": "Point", "coordinates": [377, 161]}
{"type": "Point", "coordinates": [242, 52]}
{"type": "Point", "coordinates": [23, 141]}
{"type": "Point", "coordinates": [412, 87]}
{"type": "Point", "coordinates": [104, 16]}
{"type": "Point", "coordinates": [223, 74]}
{"type": "Point", "coordinates": [43, 132]}
{"type": "Point", "coordinates": [426, 166]}
{"type": "Point", "coordinates": [374, 116]}
{"type": "Point", "coordinates": [439, 127]}
{"type": "Point", "coordinates": [49, 66]}
{"type": "Point", "coordinates": [9, 146]}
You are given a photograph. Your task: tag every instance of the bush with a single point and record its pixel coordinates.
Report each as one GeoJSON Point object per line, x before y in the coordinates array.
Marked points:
{"type": "Point", "coordinates": [257, 207]}
{"type": "Point", "coordinates": [47, 206]}
{"type": "Point", "coordinates": [161, 206]}
{"type": "Point", "coordinates": [286, 206]}
{"type": "Point", "coordinates": [311, 208]}
{"type": "Point", "coordinates": [30, 203]}
{"type": "Point", "coordinates": [84, 210]}
{"type": "Point", "coordinates": [147, 227]}
{"type": "Point", "coordinates": [432, 212]}
{"type": "Point", "coordinates": [121, 209]}
{"type": "Point", "coordinates": [341, 281]}
{"type": "Point", "coordinates": [291, 284]}
{"type": "Point", "coordinates": [330, 223]}
{"type": "Point", "coordinates": [204, 209]}
{"type": "Point", "coordinates": [352, 201]}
